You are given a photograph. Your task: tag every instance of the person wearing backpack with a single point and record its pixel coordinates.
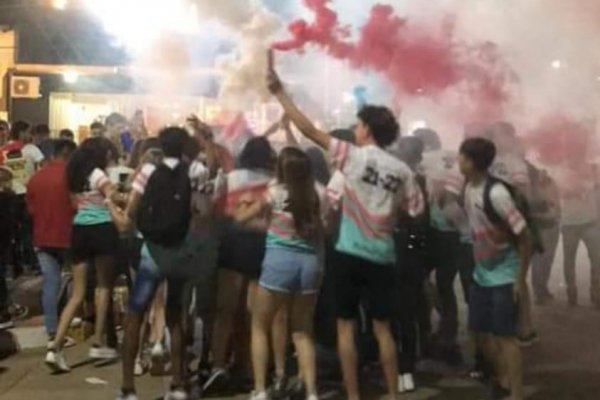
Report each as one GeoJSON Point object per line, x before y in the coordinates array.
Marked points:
{"type": "Point", "coordinates": [160, 205]}
{"type": "Point", "coordinates": [511, 167]}
{"type": "Point", "coordinates": [502, 256]}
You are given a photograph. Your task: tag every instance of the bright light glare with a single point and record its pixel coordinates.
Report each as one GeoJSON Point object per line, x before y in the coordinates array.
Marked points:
{"type": "Point", "coordinates": [70, 76]}
{"type": "Point", "coordinates": [60, 4]}
{"type": "Point", "coordinates": [348, 98]}
{"type": "Point", "coordinates": [557, 64]}
{"type": "Point", "coordinates": [137, 24]}
{"type": "Point", "coordinates": [418, 124]}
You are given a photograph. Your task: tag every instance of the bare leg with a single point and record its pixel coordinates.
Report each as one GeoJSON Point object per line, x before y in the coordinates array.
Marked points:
{"type": "Point", "coordinates": [230, 287]}
{"type": "Point", "coordinates": [75, 301]}
{"type": "Point", "coordinates": [131, 344]}
{"type": "Point", "coordinates": [303, 308]}
{"type": "Point", "coordinates": [279, 338]}
{"type": "Point", "coordinates": [525, 313]}
{"type": "Point", "coordinates": [511, 354]}
{"type": "Point", "coordinates": [157, 315]}
{"type": "Point", "coordinates": [266, 304]}
{"type": "Point", "coordinates": [347, 351]}
{"type": "Point", "coordinates": [387, 355]}
{"type": "Point", "coordinates": [105, 278]}
{"type": "Point", "coordinates": [175, 323]}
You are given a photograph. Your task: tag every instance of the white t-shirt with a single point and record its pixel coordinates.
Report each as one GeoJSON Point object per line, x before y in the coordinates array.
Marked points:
{"type": "Point", "coordinates": [198, 174]}
{"type": "Point", "coordinates": [376, 185]}
{"type": "Point", "coordinates": [32, 156]}
{"type": "Point", "coordinates": [91, 207]}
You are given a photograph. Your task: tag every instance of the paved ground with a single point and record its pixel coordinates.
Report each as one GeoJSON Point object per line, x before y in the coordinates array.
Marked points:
{"type": "Point", "coordinates": [564, 365]}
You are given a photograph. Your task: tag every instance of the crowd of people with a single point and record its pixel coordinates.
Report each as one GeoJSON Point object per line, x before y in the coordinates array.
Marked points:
{"type": "Point", "coordinates": [229, 256]}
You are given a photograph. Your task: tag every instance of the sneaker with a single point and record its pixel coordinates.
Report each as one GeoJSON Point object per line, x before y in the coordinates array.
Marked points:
{"type": "Point", "coordinates": [401, 388]}
{"type": "Point", "coordinates": [409, 382]}
{"type": "Point", "coordinates": [529, 340]}
{"type": "Point", "coordinates": [127, 395]}
{"type": "Point", "coordinates": [217, 383]}
{"type": "Point", "coordinates": [312, 397]}
{"type": "Point", "coordinates": [176, 394]}
{"type": "Point", "coordinates": [279, 388]}
{"type": "Point", "coordinates": [68, 342]}
{"type": "Point", "coordinates": [158, 351]}
{"type": "Point", "coordinates": [259, 396]}
{"type": "Point", "coordinates": [18, 312]}
{"type": "Point", "coordinates": [102, 353]}
{"type": "Point", "coordinates": [6, 321]}
{"type": "Point", "coordinates": [139, 368]}
{"type": "Point", "coordinates": [55, 360]}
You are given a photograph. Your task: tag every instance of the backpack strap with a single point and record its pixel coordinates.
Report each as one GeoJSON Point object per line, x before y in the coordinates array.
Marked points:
{"type": "Point", "coordinates": [488, 206]}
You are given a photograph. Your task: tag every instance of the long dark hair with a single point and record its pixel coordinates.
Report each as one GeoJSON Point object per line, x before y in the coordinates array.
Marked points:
{"type": "Point", "coordinates": [93, 153]}
{"type": "Point", "coordinates": [295, 172]}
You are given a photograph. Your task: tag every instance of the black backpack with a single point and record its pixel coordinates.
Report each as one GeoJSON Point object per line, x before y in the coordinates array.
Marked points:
{"type": "Point", "coordinates": [521, 204]}
{"type": "Point", "coordinates": [165, 211]}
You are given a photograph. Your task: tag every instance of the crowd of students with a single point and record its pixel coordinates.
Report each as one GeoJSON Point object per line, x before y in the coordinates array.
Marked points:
{"type": "Point", "coordinates": [243, 252]}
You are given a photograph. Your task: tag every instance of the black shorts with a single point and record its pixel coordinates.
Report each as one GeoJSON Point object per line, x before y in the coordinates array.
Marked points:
{"type": "Point", "coordinates": [356, 278]}
{"type": "Point", "coordinates": [492, 310]}
{"type": "Point", "coordinates": [242, 251]}
{"type": "Point", "coordinates": [90, 241]}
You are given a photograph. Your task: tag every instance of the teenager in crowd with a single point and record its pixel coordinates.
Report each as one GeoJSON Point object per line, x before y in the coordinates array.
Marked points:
{"type": "Point", "coordinates": [8, 203]}
{"type": "Point", "coordinates": [159, 262]}
{"type": "Point", "coordinates": [240, 256]}
{"type": "Point", "coordinates": [374, 181]}
{"type": "Point", "coordinates": [291, 273]}
{"type": "Point", "coordinates": [42, 139]}
{"type": "Point", "coordinates": [52, 212]}
{"type": "Point", "coordinates": [116, 126]}
{"type": "Point", "coordinates": [95, 241]}
{"type": "Point", "coordinates": [412, 241]}
{"type": "Point", "coordinates": [510, 166]}
{"type": "Point", "coordinates": [443, 244]}
{"type": "Point", "coordinates": [502, 261]}
{"type": "Point", "coordinates": [546, 211]}
{"type": "Point", "coordinates": [23, 158]}
{"type": "Point", "coordinates": [97, 129]}
{"type": "Point", "coordinates": [580, 221]}
{"type": "Point", "coordinates": [66, 134]}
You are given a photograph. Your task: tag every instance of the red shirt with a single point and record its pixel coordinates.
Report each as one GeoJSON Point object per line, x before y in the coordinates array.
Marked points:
{"type": "Point", "coordinates": [10, 146]}
{"type": "Point", "coordinates": [49, 203]}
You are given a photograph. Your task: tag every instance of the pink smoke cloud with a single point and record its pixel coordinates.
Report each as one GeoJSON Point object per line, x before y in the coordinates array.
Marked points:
{"type": "Point", "coordinates": [416, 60]}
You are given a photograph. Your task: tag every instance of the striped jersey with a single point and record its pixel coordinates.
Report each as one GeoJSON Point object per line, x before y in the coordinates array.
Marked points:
{"type": "Point", "coordinates": [375, 185]}
{"type": "Point", "coordinates": [496, 260]}
{"type": "Point", "coordinates": [282, 228]}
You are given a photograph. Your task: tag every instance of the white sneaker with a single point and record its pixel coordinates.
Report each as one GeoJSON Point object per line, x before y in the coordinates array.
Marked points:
{"type": "Point", "coordinates": [130, 396]}
{"type": "Point", "coordinates": [176, 394]}
{"type": "Point", "coordinates": [409, 382]}
{"type": "Point", "coordinates": [102, 353]}
{"type": "Point", "coordinates": [139, 369]}
{"type": "Point", "coordinates": [68, 342]}
{"type": "Point", "coordinates": [312, 397]}
{"type": "Point", "coordinates": [259, 396]}
{"type": "Point", "coordinates": [158, 351]}
{"type": "Point", "coordinates": [55, 360]}
{"type": "Point", "coordinates": [401, 388]}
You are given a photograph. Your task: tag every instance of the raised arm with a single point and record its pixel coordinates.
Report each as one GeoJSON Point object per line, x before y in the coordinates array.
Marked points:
{"type": "Point", "coordinates": [302, 122]}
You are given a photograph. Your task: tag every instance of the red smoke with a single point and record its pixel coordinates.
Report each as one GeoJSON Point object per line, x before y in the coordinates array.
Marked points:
{"type": "Point", "coordinates": [558, 138]}
{"type": "Point", "coordinates": [414, 60]}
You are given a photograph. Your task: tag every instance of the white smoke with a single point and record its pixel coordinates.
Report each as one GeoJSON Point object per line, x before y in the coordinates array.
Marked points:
{"type": "Point", "coordinates": [243, 72]}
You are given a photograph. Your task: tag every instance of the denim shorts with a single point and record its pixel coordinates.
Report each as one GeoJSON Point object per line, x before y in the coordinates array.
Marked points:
{"type": "Point", "coordinates": [291, 271]}
{"type": "Point", "coordinates": [492, 310]}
